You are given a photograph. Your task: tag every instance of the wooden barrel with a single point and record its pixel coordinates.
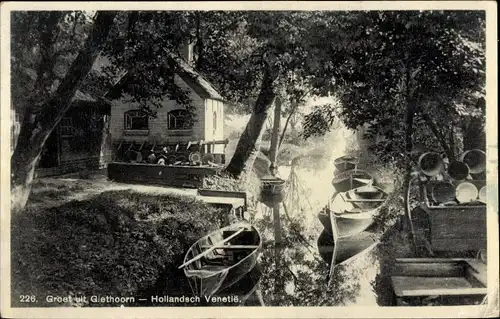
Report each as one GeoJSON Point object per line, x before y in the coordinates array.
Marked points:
{"type": "Point", "coordinates": [132, 156]}
{"type": "Point", "coordinates": [272, 191]}
{"type": "Point", "coordinates": [441, 191]}
{"type": "Point", "coordinates": [466, 192]}
{"type": "Point", "coordinates": [475, 160]}
{"type": "Point", "coordinates": [458, 170]}
{"type": "Point", "coordinates": [430, 163]}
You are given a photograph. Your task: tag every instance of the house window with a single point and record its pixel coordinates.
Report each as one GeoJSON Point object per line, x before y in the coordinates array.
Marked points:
{"type": "Point", "coordinates": [66, 128]}
{"type": "Point", "coordinates": [136, 120]}
{"type": "Point", "coordinates": [215, 122]}
{"type": "Point", "coordinates": [179, 120]}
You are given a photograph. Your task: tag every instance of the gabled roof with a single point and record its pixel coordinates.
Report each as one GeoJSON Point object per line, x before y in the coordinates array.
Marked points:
{"type": "Point", "coordinates": [195, 80]}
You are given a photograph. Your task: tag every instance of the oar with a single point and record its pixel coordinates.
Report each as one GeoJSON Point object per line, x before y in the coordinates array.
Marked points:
{"type": "Point", "coordinates": [206, 252]}
{"type": "Point", "coordinates": [363, 180]}
{"type": "Point", "coordinates": [365, 200]}
{"type": "Point", "coordinates": [232, 247]}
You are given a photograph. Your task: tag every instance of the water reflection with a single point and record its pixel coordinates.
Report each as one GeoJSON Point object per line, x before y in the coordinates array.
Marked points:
{"type": "Point", "coordinates": [247, 289]}
{"type": "Point", "coordinates": [296, 271]}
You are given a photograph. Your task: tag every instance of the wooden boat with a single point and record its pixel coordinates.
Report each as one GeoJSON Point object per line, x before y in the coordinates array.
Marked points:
{"type": "Point", "coordinates": [345, 163]}
{"type": "Point", "coordinates": [354, 211]}
{"type": "Point", "coordinates": [220, 259]}
{"type": "Point", "coordinates": [338, 247]}
{"type": "Point", "coordinates": [366, 198]}
{"type": "Point", "coordinates": [351, 179]}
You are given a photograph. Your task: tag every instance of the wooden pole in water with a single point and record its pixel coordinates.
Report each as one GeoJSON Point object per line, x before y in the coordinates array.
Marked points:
{"type": "Point", "coordinates": [273, 151]}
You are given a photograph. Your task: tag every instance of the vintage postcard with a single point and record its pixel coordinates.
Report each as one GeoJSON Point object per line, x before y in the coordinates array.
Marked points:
{"type": "Point", "coordinates": [249, 159]}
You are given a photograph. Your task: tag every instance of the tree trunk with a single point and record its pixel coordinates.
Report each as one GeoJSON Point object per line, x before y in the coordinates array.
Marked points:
{"type": "Point", "coordinates": [249, 142]}
{"type": "Point", "coordinates": [38, 123]}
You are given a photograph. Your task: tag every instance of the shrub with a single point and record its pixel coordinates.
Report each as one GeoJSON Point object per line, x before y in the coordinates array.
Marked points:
{"type": "Point", "coordinates": [118, 243]}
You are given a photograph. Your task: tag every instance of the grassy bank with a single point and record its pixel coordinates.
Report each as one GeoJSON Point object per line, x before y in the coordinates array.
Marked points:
{"type": "Point", "coordinates": [118, 243]}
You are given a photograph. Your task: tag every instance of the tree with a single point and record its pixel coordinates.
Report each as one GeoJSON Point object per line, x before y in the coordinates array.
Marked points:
{"type": "Point", "coordinates": [47, 34]}
{"type": "Point", "coordinates": [402, 72]}
{"type": "Point", "coordinates": [268, 54]}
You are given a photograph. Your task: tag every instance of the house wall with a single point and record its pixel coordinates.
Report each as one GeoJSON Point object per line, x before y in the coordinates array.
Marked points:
{"type": "Point", "coordinates": [214, 108]}
{"type": "Point", "coordinates": [158, 126]}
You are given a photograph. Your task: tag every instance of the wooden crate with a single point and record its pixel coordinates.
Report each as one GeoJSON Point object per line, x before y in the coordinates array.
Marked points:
{"type": "Point", "coordinates": [457, 228]}
{"type": "Point", "coordinates": [151, 174]}
{"type": "Point", "coordinates": [438, 277]}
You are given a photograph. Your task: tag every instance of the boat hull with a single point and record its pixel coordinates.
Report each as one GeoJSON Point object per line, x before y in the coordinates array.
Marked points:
{"type": "Point", "coordinates": [211, 280]}
{"type": "Point", "coordinates": [348, 180]}
{"type": "Point", "coordinates": [347, 224]}
{"type": "Point", "coordinates": [345, 163]}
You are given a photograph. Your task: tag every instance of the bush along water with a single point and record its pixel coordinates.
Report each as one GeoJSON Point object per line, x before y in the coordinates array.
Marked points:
{"type": "Point", "coordinates": [118, 243]}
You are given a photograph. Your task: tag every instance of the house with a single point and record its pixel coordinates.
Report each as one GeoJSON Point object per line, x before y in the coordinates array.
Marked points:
{"type": "Point", "coordinates": [79, 142]}
{"type": "Point", "coordinates": [171, 125]}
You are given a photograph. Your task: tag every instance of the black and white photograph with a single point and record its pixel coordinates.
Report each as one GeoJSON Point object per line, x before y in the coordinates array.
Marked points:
{"type": "Point", "coordinates": [232, 155]}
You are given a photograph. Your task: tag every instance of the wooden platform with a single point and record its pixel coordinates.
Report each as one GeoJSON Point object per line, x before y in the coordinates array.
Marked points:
{"type": "Point", "coordinates": [424, 277]}
{"type": "Point", "coordinates": [237, 200]}
{"type": "Point", "coordinates": [151, 174]}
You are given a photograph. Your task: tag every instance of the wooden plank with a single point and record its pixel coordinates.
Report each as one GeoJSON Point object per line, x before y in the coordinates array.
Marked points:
{"type": "Point", "coordinates": [443, 292]}
{"type": "Point", "coordinates": [365, 200]}
{"type": "Point", "coordinates": [429, 260]}
{"type": "Point", "coordinates": [424, 286]}
{"type": "Point", "coordinates": [458, 244]}
{"type": "Point", "coordinates": [477, 272]}
{"type": "Point", "coordinates": [456, 269]}
{"type": "Point", "coordinates": [231, 247]}
{"type": "Point", "coordinates": [211, 192]}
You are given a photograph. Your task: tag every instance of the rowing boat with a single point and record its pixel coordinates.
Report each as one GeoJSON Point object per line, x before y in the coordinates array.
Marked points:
{"type": "Point", "coordinates": [346, 163]}
{"type": "Point", "coordinates": [220, 259]}
{"type": "Point", "coordinates": [351, 179]}
{"type": "Point", "coordinates": [336, 248]}
{"type": "Point", "coordinates": [354, 210]}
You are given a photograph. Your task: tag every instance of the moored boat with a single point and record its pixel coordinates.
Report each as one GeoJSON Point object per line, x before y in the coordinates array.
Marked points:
{"type": "Point", "coordinates": [345, 163]}
{"type": "Point", "coordinates": [351, 179]}
{"type": "Point", "coordinates": [367, 197]}
{"type": "Point", "coordinates": [354, 210]}
{"type": "Point", "coordinates": [220, 259]}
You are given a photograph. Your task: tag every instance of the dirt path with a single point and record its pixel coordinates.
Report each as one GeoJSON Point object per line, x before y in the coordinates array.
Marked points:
{"type": "Point", "coordinates": [85, 188]}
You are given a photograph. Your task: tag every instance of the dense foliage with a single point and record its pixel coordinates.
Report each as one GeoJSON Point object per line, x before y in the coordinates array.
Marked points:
{"type": "Point", "coordinates": [431, 62]}
{"type": "Point", "coordinates": [117, 244]}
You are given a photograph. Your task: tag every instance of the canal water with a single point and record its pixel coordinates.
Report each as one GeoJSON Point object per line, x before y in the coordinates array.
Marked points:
{"type": "Point", "coordinates": [293, 273]}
